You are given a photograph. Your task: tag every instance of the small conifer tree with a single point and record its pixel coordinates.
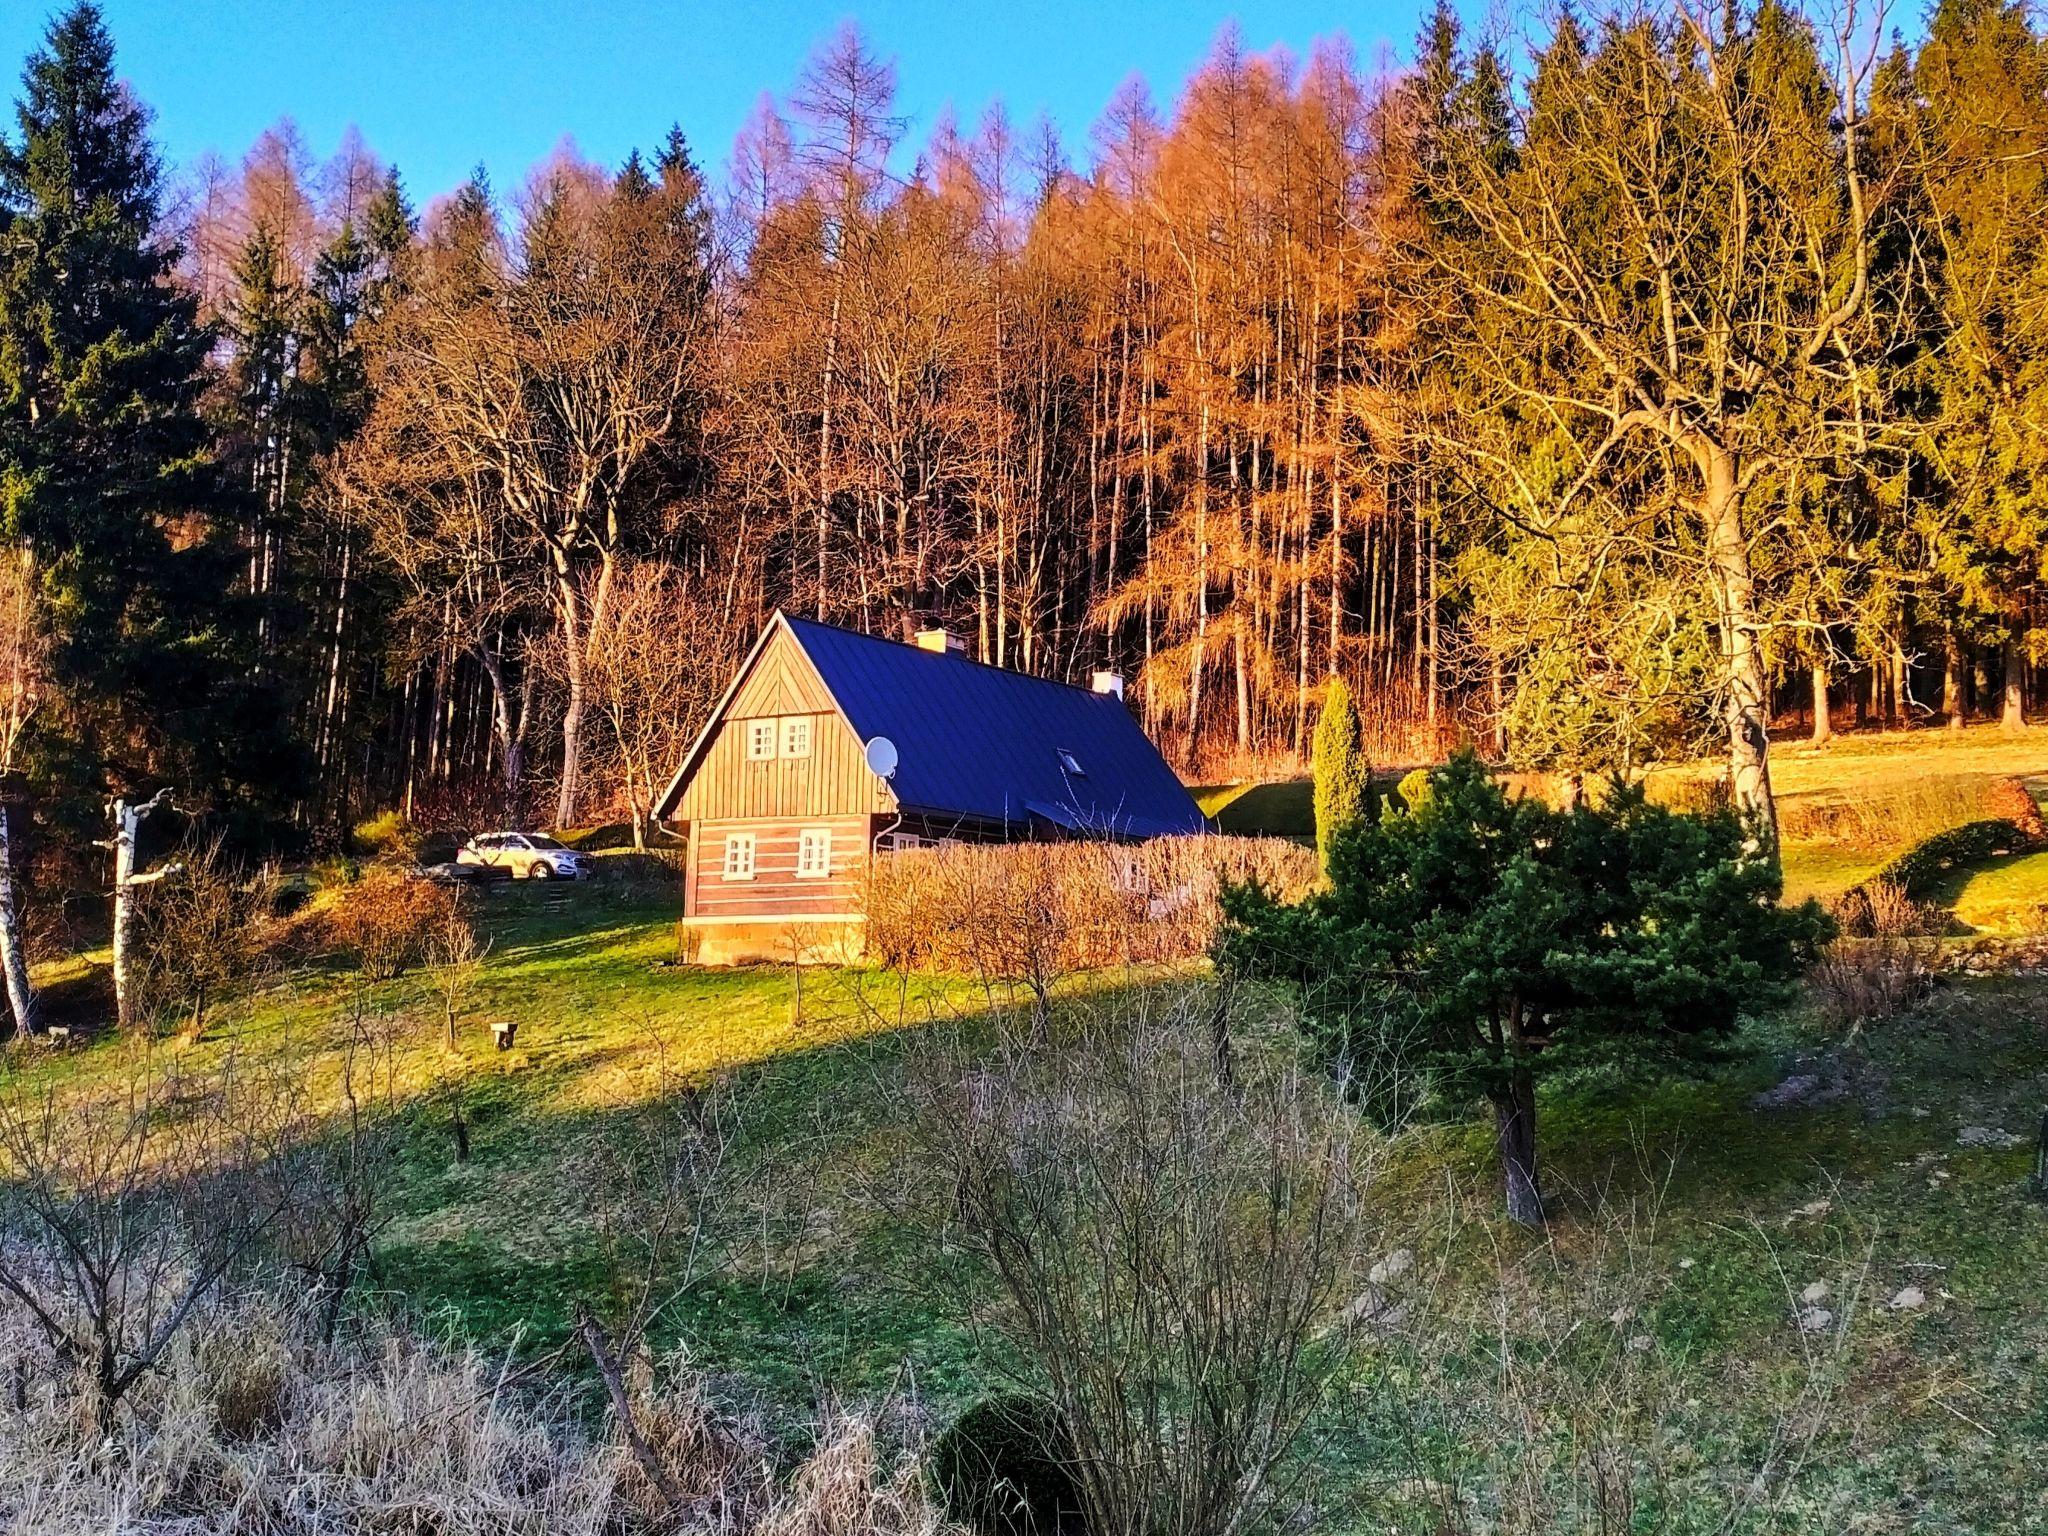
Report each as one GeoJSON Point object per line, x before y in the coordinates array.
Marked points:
{"type": "Point", "coordinates": [1341, 774]}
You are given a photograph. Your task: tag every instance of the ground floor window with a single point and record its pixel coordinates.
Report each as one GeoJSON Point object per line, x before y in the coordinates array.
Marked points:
{"type": "Point", "coordinates": [739, 856]}
{"type": "Point", "coordinates": [814, 853]}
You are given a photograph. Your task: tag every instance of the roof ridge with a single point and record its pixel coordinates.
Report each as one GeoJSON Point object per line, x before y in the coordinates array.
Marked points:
{"type": "Point", "coordinates": [954, 656]}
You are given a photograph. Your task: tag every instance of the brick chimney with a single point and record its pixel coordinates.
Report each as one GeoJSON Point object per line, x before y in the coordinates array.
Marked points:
{"type": "Point", "coordinates": [939, 639]}
{"type": "Point", "coordinates": [1109, 682]}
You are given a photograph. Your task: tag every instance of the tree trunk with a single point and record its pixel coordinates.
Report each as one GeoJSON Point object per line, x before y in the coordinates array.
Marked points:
{"type": "Point", "coordinates": [21, 997]}
{"type": "Point", "coordinates": [1747, 707]}
{"type": "Point", "coordinates": [2014, 717]}
{"type": "Point", "coordinates": [1952, 685]}
{"type": "Point", "coordinates": [126, 820]}
{"type": "Point", "coordinates": [511, 737]}
{"type": "Point", "coordinates": [1514, 1118]}
{"type": "Point", "coordinates": [1823, 727]}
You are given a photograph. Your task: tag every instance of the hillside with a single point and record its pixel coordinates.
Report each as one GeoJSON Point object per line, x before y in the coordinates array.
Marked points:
{"type": "Point", "coordinates": [1881, 1173]}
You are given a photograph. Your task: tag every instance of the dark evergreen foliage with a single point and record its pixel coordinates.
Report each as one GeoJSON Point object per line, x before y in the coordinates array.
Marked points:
{"type": "Point", "coordinates": [1483, 940]}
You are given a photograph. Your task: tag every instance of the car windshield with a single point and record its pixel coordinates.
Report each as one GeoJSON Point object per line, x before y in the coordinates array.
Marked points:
{"type": "Point", "coordinates": [534, 840]}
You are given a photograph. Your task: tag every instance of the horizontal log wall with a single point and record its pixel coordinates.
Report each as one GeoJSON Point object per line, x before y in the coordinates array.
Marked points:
{"type": "Point", "coordinates": [776, 891]}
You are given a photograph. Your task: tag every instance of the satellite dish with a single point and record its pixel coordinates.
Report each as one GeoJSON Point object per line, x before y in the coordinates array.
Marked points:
{"type": "Point", "coordinates": [881, 756]}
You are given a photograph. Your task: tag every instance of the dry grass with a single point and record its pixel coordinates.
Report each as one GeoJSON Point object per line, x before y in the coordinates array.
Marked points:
{"type": "Point", "coordinates": [253, 1429]}
{"type": "Point", "coordinates": [975, 909]}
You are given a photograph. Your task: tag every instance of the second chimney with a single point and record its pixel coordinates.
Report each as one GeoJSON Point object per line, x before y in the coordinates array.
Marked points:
{"type": "Point", "coordinates": [940, 640]}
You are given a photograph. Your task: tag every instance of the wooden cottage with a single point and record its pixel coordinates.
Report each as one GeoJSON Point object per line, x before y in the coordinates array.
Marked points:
{"type": "Point", "coordinates": [830, 747]}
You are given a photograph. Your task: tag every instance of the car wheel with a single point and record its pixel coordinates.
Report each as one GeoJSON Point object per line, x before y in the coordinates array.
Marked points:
{"type": "Point", "coordinates": [540, 871]}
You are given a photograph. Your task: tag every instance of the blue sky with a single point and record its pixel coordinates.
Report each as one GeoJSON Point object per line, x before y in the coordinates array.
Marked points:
{"type": "Point", "coordinates": [440, 85]}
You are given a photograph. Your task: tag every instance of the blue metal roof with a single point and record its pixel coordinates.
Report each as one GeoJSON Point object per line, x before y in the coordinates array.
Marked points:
{"type": "Point", "coordinates": [975, 740]}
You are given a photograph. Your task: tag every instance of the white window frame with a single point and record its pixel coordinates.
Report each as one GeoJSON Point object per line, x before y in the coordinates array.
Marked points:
{"type": "Point", "coordinates": [796, 736]}
{"type": "Point", "coordinates": [760, 740]}
{"type": "Point", "coordinates": [814, 853]}
{"type": "Point", "coordinates": [738, 863]}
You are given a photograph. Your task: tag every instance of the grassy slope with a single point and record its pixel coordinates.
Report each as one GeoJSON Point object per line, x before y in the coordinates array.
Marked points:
{"type": "Point", "coordinates": [1944, 1410]}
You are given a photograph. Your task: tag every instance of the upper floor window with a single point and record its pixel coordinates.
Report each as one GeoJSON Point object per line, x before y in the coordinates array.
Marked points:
{"type": "Point", "coordinates": [760, 739]}
{"type": "Point", "coordinates": [796, 736]}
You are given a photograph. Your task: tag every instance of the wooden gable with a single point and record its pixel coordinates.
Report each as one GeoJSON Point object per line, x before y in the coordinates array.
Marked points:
{"type": "Point", "coordinates": [722, 782]}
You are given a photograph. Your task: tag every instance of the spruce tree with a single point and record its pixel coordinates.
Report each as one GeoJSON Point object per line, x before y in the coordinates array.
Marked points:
{"type": "Point", "coordinates": [1342, 777]}
{"type": "Point", "coordinates": [108, 482]}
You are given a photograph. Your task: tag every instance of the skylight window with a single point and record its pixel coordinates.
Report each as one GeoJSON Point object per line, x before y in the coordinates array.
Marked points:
{"type": "Point", "coordinates": [1071, 763]}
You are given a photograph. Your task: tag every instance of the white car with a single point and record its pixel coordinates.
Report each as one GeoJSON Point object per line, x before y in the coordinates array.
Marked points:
{"type": "Point", "coordinates": [526, 856]}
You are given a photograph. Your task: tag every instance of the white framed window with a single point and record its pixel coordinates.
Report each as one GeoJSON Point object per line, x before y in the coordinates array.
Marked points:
{"type": "Point", "coordinates": [796, 736]}
{"type": "Point", "coordinates": [814, 853]}
{"type": "Point", "coordinates": [739, 856]}
{"type": "Point", "coordinates": [892, 841]}
{"type": "Point", "coordinates": [760, 740]}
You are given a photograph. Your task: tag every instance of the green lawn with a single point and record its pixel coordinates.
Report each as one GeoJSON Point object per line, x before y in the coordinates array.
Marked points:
{"type": "Point", "coordinates": [1845, 809]}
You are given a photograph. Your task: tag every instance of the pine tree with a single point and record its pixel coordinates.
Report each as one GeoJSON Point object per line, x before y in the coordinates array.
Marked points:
{"type": "Point", "coordinates": [1342, 778]}
{"type": "Point", "coordinates": [1482, 940]}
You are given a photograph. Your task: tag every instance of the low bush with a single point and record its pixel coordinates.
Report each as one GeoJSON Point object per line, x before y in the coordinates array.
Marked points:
{"type": "Point", "coordinates": [387, 836]}
{"type": "Point", "coordinates": [1919, 870]}
{"type": "Point", "coordinates": [384, 923]}
{"type": "Point", "coordinates": [1008, 911]}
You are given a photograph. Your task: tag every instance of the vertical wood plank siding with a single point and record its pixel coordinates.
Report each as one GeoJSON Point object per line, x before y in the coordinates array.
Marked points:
{"type": "Point", "coordinates": [775, 799]}
{"type": "Point", "coordinates": [833, 780]}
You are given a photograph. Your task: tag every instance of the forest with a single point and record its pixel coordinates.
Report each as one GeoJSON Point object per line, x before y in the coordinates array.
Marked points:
{"type": "Point", "coordinates": [1596, 396]}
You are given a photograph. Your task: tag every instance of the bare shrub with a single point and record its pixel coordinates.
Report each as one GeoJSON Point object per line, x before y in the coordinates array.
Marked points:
{"type": "Point", "coordinates": [201, 934]}
{"type": "Point", "coordinates": [455, 955]}
{"type": "Point", "coordinates": [1026, 913]}
{"type": "Point", "coordinates": [1170, 1248]}
{"type": "Point", "coordinates": [123, 1208]}
{"type": "Point", "coordinates": [1882, 909]}
{"type": "Point", "coordinates": [338, 1179]}
{"type": "Point", "coordinates": [386, 923]}
{"type": "Point", "coordinates": [666, 1208]}
{"type": "Point", "coordinates": [1863, 981]}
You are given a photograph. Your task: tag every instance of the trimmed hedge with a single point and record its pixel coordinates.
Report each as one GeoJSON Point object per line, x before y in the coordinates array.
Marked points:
{"type": "Point", "coordinates": [1920, 868]}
